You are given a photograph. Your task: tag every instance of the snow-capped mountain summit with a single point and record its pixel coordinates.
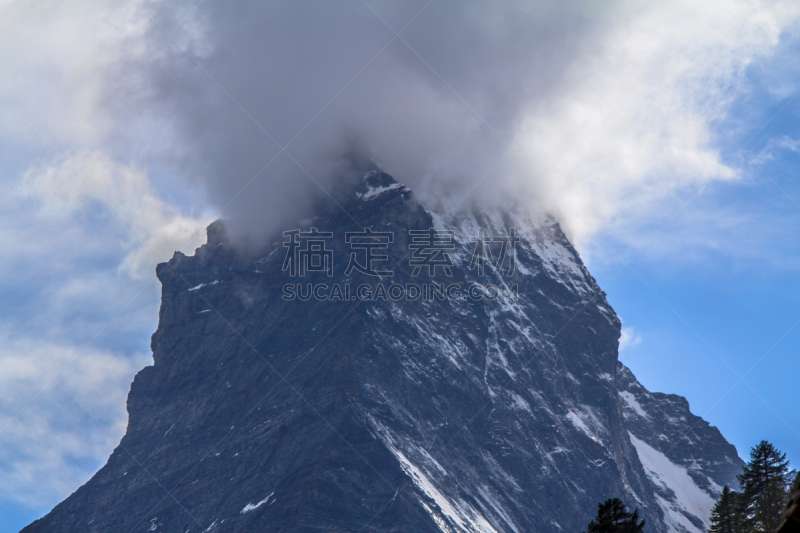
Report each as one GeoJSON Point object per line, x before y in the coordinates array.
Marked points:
{"type": "Point", "coordinates": [383, 368]}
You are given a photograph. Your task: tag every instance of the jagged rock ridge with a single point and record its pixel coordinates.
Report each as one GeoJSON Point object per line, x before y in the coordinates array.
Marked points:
{"type": "Point", "coordinates": [267, 412]}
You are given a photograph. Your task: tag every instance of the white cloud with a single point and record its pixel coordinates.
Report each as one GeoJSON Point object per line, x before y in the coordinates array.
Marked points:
{"type": "Point", "coordinates": [60, 267]}
{"type": "Point", "coordinates": [773, 148]}
{"type": "Point", "coordinates": [640, 127]}
{"type": "Point", "coordinates": [617, 105]}
{"type": "Point", "coordinates": [52, 442]}
{"type": "Point", "coordinates": [628, 338]}
{"type": "Point", "coordinates": [156, 229]}
{"type": "Point", "coordinates": [60, 60]}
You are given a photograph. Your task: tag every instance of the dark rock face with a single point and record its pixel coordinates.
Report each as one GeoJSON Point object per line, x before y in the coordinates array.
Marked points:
{"type": "Point", "coordinates": [267, 412]}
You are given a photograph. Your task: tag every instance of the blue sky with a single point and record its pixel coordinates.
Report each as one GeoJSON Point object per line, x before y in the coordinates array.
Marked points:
{"type": "Point", "coordinates": [720, 323]}
{"type": "Point", "coordinates": [663, 136]}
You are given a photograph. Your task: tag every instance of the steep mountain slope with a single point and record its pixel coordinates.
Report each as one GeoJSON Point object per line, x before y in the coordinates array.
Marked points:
{"type": "Point", "coordinates": [687, 460]}
{"type": "Point", "coordinates": [299, 388]}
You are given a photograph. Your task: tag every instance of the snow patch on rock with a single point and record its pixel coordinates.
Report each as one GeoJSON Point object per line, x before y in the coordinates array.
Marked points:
{"type": "Point", "coordinates": [252, 506]}
{"type": "Point", "coordinates": [372, 192]}
{"type": "Point", "coordinates": [629, 401]}
{"type": "Point", "coordinates": [587, 421]}
{"type": "Point", "coordinates": [459, 513]}
{"type": "Point", "coordinates": [689, 499]}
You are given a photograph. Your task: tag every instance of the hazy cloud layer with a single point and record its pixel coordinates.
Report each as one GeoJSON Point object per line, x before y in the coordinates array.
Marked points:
{"type": "Point", "coordinates": [157, 229]}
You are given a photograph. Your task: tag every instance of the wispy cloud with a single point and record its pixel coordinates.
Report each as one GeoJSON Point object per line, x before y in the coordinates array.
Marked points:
{"type": "Point", "coordinates": [48, 442]}
{"type": "Point", "coordinates": [629, 338]}
{"type": "Point", "coordinates": [156, 228]}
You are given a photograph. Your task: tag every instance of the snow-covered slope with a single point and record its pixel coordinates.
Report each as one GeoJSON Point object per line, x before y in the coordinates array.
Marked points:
{"type": "Point", "coordinates": [687, 460]}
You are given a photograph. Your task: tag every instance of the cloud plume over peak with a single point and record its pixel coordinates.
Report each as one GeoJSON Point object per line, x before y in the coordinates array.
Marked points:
{"type": "Point", "coordinates": [587, 109]}
{"type": "Point", "coordinates": [284, 90]}
{"type": "Point", "coordinates": [593, 112]}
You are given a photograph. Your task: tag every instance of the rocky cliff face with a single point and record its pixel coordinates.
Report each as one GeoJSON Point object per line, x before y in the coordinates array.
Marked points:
{"type": "Point", "coordinates": [302, 387]}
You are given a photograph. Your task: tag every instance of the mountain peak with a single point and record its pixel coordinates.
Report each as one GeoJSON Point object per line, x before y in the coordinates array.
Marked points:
{"type": "Point", "coordinates": [382, 367]}
{"type": "Point", "coordinates": [375, 183]}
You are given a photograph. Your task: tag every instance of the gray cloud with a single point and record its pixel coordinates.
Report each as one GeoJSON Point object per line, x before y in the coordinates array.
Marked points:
{"type": "Point", "coordinates": [438, 107]}
{"type": "Point", "coordinates": [592, 111]}
{"type": "Point", "coordinates": [589, 111]}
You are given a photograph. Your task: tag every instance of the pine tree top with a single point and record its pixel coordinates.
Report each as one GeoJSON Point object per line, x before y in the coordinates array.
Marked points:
{"type": "Point", "coordinates": [766, 462]}
{"type": "Point", "coordinates": [613, 517]}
